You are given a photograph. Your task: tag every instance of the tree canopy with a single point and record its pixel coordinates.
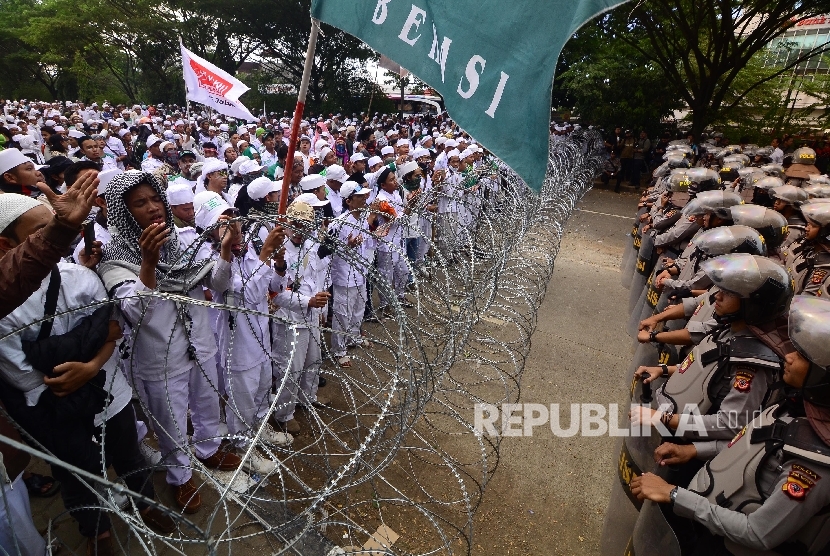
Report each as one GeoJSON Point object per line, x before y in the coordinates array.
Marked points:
{"type": "Point", "coordinates": [644, 60]}
{"type": "Point", "coordinates": [128, 50]}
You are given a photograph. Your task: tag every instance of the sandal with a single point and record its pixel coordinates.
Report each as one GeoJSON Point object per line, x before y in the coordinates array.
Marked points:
{"type": "Point", "coordinates": [35, 484]}
{"type": "Point", "coordinates": [345, 362]}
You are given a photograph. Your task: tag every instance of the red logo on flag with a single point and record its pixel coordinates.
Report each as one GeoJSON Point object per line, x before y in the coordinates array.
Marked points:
{"type": "Point", "coordinates": [209, 81]}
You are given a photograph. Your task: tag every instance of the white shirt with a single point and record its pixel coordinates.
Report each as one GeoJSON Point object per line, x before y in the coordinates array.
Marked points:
{"type": "Point", "coordinates": [101, 234]}
{"type": "Point", "coordinates": [266, 158]}
{"type": "Point", "coordinates": [151, 163]}
{"type": "Point", "coordinates": [303, 279]}
{"type": "Point", "coordinates": [351, 271]}
{"type": "Point", "coordinates": [107, 162]}
{"type": "Point", "coordinates": [245, 341]}
{"type": "Point", "coordinates": [79, 288]}
{"type": "Point", "coordinates": [336, 201]}
{"type": "Point", "coordinates": [115, 145]}
{"type": "Point", "coordinates": [393, 238]}
{"type": "Point", "coordinates": [182, 179]}
{"type": "Point", "coordinates": [777, 156]}
{"type": "Point", "coordinates": [159, 343]}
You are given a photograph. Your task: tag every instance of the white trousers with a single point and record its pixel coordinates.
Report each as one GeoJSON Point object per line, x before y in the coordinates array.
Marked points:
{"type": "Point", "coordinates": [392, 266]}
{"type": "Point", "coordinates": [297, 361]}
{"type": "Point", "coordinates": [426, 239]}
{"type": "Point", "coordinates": [168, 402]}
{"type": "Point", "coordinates": [18, 534]}
{"type": "Point", "coordinates": [448, 234]}
{"type": "Point", "coordinates": [248, 399]}
{"type": "Point", "coordinates": [348, 305]}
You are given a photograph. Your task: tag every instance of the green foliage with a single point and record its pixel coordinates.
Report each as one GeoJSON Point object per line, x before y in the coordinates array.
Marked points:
{"type": "Point", "coordinates": [610, 84]}
{"type": "Point", "coordinates": [128, 50]}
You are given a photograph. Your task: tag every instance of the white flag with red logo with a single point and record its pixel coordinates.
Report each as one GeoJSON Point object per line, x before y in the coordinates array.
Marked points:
{"type": "Point", "coordinates": [213, 87]}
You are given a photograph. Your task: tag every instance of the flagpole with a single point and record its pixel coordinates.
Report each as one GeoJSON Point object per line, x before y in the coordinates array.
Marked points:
{"type": "Point", "coordinates": [298, 113]}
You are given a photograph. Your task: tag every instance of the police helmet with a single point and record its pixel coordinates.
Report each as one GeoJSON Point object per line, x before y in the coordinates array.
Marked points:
{"type": "Point", "coordinates": [817, 212]}
{"type": "Point", "coordinates": [819, 179]}
{"type": "Point", "coordinates": [769, 182]}
{"type": "Point", "coordinates": [763, 286]}
{"type": "Point", "coordinates": [790, 194]}
{"type": "Point", "coordinates": [804, 155]}
{"type": "Point", "coordinates": [678, 161]}
{"type": "Point", "coordinates": [661, 171]}
{"type": "Point", "coordinates": [703, 179]}
{"type": "Point", "coordinates": [817, 190]}
{"type": "Point", "coordinates": [773, 170]}
{"type": "Point", "coordinates": [679, 181]}
{"type": "Point", "coordinates": [715, 202]}
{"type": "Point", "coordinates": [730, 239]}
{"type": "Point", "coordinates": [809, 327]}
{"type": "Point", "coordinates": [769, 223]}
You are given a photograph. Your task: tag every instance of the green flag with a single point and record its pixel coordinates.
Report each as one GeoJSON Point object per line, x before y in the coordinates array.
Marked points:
{"type": "Point", "coordinates": [492, 60]}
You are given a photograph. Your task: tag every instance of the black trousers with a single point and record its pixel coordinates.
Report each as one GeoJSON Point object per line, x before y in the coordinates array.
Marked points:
{"type": "Point", "coordinates": [72, 442]}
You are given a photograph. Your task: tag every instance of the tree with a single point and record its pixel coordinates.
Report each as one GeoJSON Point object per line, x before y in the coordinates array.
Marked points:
{"type": "Point", "coordinates": [608, 83]}
{"type": "Point", "coordinates": [279, 30]}
{"type": "Point", "coordinates": [703, 45]}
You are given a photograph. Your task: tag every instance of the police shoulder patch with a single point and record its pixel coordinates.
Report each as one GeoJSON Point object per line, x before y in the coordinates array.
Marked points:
{"type": "Point", "coordinates": [743, 380]}
{"type": "Point", "coordinates": [818, 276]}
{"type": "Point", "coordinates": [799, 482]}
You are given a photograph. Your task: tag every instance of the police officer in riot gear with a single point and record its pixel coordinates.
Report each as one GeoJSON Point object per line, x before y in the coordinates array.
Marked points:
{"type": "Point", "coordinates": [767, 490]}
{"type": "Point", "coordinates": [787, 199]}
{"type": "Point", "coordinates": [727, 376]}
{"type": "Point", "coordinates": [808, 262]}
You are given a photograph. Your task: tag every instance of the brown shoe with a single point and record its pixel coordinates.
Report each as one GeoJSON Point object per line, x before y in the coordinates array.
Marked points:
{"type": "Point", "coordinates": [222, 460]}
{"type": "Point", "coordinates": [159, 521]}
{"type": "Point", "coordinates": [100, 547]}
{"type": "Point", "coordinates": [188, 497]}
{"type": "Point", "coordinates": [291, 426]}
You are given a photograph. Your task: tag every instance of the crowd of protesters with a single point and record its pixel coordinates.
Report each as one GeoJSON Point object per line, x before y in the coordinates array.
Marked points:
{"type": "Point", "coordinates": [103, 207]}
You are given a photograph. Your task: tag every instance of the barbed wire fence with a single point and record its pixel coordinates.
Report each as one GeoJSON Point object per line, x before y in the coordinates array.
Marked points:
{"type": "Point", "coordinates": [395, 465]}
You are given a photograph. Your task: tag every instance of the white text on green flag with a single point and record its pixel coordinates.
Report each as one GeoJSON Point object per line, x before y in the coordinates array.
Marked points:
{"type": "Point", "coordinates": [492, 61]}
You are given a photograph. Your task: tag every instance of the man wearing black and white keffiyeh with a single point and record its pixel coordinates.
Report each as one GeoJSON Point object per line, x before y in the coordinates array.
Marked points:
{"type": "Point", "coordinates": [172, 347]}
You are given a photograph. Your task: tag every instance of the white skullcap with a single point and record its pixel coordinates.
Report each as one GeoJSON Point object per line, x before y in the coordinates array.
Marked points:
{"type": "Point", "coordinates": [209, 211]}
{"type": "Point", "coordinates": [374, 160]}
{"type": "Point", "coordinates": [320, 144]}
{"type": "Point", "coordinates": [11, 158]}
{"type": "Point", "coordinates": [249, 167]}
{"type": "Point", "coordinates": [387, 150]}
{"type": "Point", "coordinates": [451, 143]}
{"type": "Point", "coordinates": [13, 206]}
{"type": "Point", "coordinates": [179, 194]}
{"type": "Point", "coordinates": [312, 182]}
{"type": "Point", "coordinates": [240, 160]}
{"type": "Point", "coordinates": [324, 153]}
{"type": "Point", "coordinates": [419, 152]}
{"type": "Point", "coordinates": [75, 134]}
{"type": "Point", "coordinates": [261, 187]}
{"type": "Point", "coordinates": [402, 143]}
{"type": "Point", "coordinates": [213, 165]}
{"type": "Point", "coordinates": [410, 166]}
{"type": "Point", "coordinates": [311, 199]}
{"type": "Point", "coordinates": [152, 140]}
{"type": "Point", "coordinates": [466, 153]}
{"type": "Point", "coordinates": [453, 153]}
{"type": "Point", "coordinates": [105, 177]}
{"type": "Point", "coordinates": [336, 172]}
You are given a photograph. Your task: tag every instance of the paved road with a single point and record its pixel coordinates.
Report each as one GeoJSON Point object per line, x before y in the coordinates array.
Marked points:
{"type": "Point", "coordinates": [549, 494]}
